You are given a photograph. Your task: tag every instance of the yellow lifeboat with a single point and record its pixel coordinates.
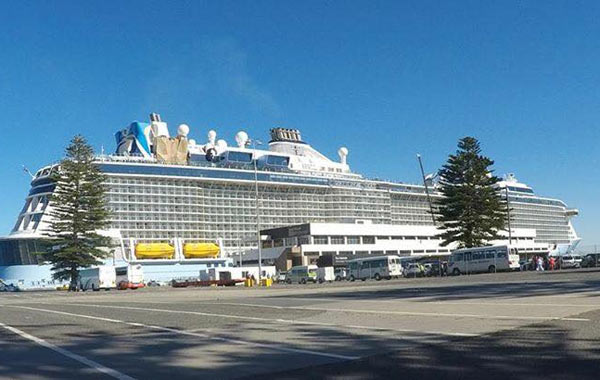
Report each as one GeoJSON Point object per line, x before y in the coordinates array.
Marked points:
{"type": "Point", "coordinates": [154, 251]}
{"type": "Point", "coordinates": [200, 250]}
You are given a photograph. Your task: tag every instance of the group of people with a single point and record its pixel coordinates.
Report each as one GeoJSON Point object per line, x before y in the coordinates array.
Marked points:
{"type": "Point", "coordinates": [541, 263]}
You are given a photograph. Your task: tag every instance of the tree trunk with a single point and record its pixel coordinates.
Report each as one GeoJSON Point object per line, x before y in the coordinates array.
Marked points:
{"type": "Point", "coordinates": [73, 284]}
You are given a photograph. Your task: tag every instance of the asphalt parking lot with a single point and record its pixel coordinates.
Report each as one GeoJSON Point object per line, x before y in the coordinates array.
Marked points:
{"type": "Point", "coordinates": [507, 325]}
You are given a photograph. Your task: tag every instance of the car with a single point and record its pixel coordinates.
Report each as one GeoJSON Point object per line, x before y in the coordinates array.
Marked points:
{"type": "Point", "coordinates": [413, 270]}
{"type": "Point", "coordinates": [4, 287]}
{"type": "Point", "coordinates": [280, 278]}
{"type": "Point", "coordinates": [340, 273]}
{"type": "Point", "coordinates": [591, 260]}
{"type": "Point", "coordinates": [578, 259]}
{"type": "Point", "coordinates": [432, 268]}
{"type": "Point", "coordinates": [567, 262]}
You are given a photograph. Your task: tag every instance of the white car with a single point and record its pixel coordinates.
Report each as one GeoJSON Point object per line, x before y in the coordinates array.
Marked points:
{"type": "Point", "coordinates": [568, 261]}
{"type": "Point", "coordinates": [578, 259]}
{"type": "Point", "coordinates": [412, 270]}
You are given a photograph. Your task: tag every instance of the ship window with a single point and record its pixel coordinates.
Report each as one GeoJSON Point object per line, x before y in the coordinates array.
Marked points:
{"type": "Point", "coordinates": [239, 157]}
{"type": "Point", "coordinates": [277, 160]}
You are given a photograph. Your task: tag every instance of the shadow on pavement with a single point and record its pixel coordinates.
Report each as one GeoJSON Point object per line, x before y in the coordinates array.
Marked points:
{"type": "Point", "coordinates": [541, 351]}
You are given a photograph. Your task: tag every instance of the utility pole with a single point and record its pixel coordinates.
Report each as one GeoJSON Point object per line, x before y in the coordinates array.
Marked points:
{"type": "Point", "coordinates": [426, 189]}
{"type": "Point", "coordinates": [508, 214]}
{"type": "Point", "coordinates": [254, 143]}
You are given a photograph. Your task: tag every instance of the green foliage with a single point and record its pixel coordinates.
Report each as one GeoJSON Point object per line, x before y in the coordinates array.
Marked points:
{"type": "Point", "coordinates": [78, 211]}
{"type": "Point", "coordinates": [471, 211]}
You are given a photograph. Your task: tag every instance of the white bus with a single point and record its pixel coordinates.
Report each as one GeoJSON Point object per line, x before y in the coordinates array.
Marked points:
{"type": "Point", "coordinates": [483, 259]}
{"type": "Point", "coordinates": [377, 267]}
{"type": "Point", "coordinates": [102, 277]}
{"type": "Point", "coordinates": [130, 276]}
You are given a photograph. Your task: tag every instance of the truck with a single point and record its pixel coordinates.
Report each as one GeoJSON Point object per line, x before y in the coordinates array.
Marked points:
{"type": "Point", "coordinates": [101, 277]}
{"type": "Point", "coordinates": [325, 274]}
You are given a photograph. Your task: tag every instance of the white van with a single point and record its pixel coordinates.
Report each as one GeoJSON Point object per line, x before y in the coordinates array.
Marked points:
{"type": "Point", "coordinates": [377, 267]}
{"type": "Point", "coordinates": [102, 277]}
{"type": "Point", "coordinates": [302, 274]}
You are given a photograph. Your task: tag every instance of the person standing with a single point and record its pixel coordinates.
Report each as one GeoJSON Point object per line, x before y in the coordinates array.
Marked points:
{"type": "Point", "coordinates": [540, 264]}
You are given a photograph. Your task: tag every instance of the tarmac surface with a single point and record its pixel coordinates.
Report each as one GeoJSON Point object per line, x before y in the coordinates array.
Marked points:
{"type": "Point", "coordinates": [496, 326]}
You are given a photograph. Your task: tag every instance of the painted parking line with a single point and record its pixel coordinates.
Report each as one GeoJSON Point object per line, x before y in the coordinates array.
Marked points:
{"type": "Point", "coordinates": [281, 320]}
{"type": "Point", "coordinates": [88, 362]}
{"type": "Point", "coordinates": [407, 313]}
{"type": "Point", "coordinates": [272, 347]}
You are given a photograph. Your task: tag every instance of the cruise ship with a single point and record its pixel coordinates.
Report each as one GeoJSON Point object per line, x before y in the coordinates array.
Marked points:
{"type": "Point", "coordinates": [164, 189]}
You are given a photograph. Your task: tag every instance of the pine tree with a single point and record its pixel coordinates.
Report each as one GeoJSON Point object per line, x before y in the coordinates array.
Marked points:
{"type": "Point", "coordinates": [78, 210]}
{"type": "Point", "coordinates": [471, 211]}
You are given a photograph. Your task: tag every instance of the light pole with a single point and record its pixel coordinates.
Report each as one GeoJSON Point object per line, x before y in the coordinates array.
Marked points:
{"type": "Point", "coordinates": [254, 144]}
{"type": "Point", "coordinates": [508, 214]}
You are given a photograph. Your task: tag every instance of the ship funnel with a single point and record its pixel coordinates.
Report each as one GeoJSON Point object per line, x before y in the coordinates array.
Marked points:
{"type": "Point", "coordinates": [155, 117]}
{"type": "Point", "coordinates": [343, 153]}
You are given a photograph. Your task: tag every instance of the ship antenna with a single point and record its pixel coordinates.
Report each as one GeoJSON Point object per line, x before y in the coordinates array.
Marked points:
{"type": "Point", "coordinates": [28, 172]}
{"type": "Point", "coordinates": [426, 189]}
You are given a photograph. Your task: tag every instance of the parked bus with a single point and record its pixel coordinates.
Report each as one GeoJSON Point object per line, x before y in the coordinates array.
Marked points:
{"type": "Point", "coordinates": [130, 277]}
{"type": "Point", "coordinates": [483, 259]}
{"type": "Point", "coordinates": [377, 267]}
{"type": "Point", "coordinates": [102, 277]}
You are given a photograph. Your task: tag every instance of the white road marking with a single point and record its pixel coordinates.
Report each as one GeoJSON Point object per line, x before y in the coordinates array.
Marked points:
{"type": "Point", "coordinates": [90, 363]}
{"type": "Point", "coordinates": [279, 320]}
{"type": "Point", "coordinates": [420, 301]}
{"type": "Point", "coordinates": [205, 336]}
{"type": "Point", "coordinates": [407, 313]}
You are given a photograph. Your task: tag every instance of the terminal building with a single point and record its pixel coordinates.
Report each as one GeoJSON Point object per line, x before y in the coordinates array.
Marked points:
{"type": "Point", "coordinates": [336, 243]}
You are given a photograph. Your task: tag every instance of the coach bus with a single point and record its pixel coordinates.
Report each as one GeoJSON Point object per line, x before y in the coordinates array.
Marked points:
{"type": "Point", "coordinates": [483, 259]}
{"type": "Point", "coordinates": [377, 267]}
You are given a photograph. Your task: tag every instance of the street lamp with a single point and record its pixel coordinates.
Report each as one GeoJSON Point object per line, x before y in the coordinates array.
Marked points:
{"type": "Point", "coordinates": [254, 144]}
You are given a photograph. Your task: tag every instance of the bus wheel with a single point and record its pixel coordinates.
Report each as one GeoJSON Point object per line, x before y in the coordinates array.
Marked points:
{"type": "Point", "coordinates": [377, 277]}
{"type": "Point", "coordinates": [492, 269]}
{"type": "Point", "coordinates": [303, 281]}
{"type": "Point", "coordinates": [456, 272]}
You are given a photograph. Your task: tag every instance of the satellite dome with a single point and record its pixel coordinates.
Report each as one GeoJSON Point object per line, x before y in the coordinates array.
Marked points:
{"type": "Point", "coordinates": [183, 130]}
{"type": "Point", "coordinates": [343, 153]}
{"type": "Point", "coordinates": [221, 144]}
{"type": "Point", "coordinates": [241, 138]}
{"type": "Point", "coordinates": [212, 136]}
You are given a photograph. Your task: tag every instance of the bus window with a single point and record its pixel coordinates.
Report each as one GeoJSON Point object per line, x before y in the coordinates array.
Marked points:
{"type": "Point", "coordinates": [476, 256]}
{"type": "Point", "coordinates": [365, 265]}
{"type": "Point", "coordinates": [458, 257]}
{"type": "Point", "coordinates": [489, 255]}
{"type": "Point", "coordinates": [501, 254]}
{"type": "Point", "coordinates": [467, 256]}
{"type": "Point", "coordinates": [353, 265]}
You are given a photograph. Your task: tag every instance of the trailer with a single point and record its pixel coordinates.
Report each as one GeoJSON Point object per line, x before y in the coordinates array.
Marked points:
{"type": "Point", "coordinates": [325, 274]}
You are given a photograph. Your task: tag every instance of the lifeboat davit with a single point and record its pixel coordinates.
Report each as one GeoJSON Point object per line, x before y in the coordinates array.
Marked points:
{"type": "Point", "coordinates": [200, 250]}
{"type": "Point", "coordinates": [154, 251]}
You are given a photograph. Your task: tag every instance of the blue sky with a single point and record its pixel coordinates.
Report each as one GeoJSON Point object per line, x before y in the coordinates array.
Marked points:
{"type": "Point", "coordinates": [387, 79]}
